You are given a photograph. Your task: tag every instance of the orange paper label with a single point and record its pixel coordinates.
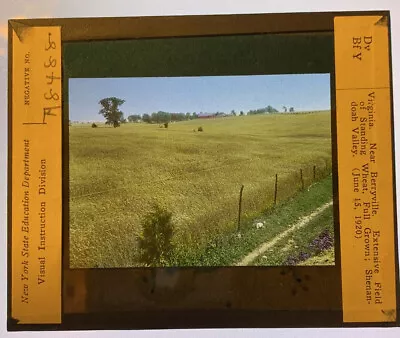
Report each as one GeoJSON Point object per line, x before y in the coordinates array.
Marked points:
{"type": "Point", "coordinates": [36, 176]}
{"type": "Point", "coordinates": [366, 204]}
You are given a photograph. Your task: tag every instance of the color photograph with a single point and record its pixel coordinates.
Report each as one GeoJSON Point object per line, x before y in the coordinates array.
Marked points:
{"type": "Point", "coordinates": [200, 171]}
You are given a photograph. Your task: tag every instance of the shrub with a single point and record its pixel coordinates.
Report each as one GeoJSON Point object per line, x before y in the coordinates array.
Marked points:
{"type": "Point", "coordinates": [94, 125]}
{"type": "Point", "coordinates": [166, 125]}
{"type": "Point", "coordinates": [155, 241]}
{"type": "Point", "coordinates": [200, 129]}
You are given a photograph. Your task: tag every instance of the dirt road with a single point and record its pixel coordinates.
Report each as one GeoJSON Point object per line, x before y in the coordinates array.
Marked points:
{"type": "Point", "coordinates": [296, 226]}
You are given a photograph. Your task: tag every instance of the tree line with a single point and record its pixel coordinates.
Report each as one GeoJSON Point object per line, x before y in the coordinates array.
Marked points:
{"type": "Point", "coordinates": [266, 110]}
{"type": "Point", "coordinates": [162, 117]}
{"type": "Point", "coordinates": [114, 116]}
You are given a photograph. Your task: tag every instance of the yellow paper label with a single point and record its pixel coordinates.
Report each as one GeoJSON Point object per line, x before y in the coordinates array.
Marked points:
{"type": "Point", "coordinates": [363, 108]}
{"type": "Point", "coordinates": [36, 176]}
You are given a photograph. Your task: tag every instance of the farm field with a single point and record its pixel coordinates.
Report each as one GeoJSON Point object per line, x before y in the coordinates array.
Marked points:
{"type": "Point", "coordinates": [118, 174]}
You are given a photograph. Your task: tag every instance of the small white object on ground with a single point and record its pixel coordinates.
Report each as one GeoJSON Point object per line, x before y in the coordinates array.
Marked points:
{"type": "Point", "coordinates": [259, 225]}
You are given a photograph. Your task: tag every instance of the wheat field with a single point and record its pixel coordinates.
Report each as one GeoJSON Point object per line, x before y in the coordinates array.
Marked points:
{"type": "Point", "coordinates": [117, 174]}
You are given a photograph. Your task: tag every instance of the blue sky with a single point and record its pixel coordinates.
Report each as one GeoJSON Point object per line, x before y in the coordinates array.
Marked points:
{"type": "Point", "coordinates": [199, 94]}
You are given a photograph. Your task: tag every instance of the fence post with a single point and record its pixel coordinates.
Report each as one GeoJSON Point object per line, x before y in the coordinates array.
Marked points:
{"type": "Point", "coordinates": [240, 206]}
{"type": "Point", "coordinates": [301, 179]}
{"type": "Point", "coordinates": [276, 188]}
{"type": "Point", "coordinates": [314, 173]}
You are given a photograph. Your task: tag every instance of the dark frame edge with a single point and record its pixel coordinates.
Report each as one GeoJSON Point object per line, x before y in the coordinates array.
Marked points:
{"type": "Point", "coordinates": [112, 28]}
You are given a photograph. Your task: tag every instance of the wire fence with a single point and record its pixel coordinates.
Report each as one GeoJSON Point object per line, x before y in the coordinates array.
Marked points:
{"type": "Point", "coordinates": [286, 185]}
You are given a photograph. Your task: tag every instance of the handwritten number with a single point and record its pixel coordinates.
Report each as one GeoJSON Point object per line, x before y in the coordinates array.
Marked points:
{"type": "Point", "coordinates": [52, 63]}
{"type": "Point", "coordinates": [52, 78]}
{"type": "Point", "coordinates": [52, 44]}
{"type": "Point", "coordinates": [48, 112]}
{"type": "Point", "coordinates": [52, 96]}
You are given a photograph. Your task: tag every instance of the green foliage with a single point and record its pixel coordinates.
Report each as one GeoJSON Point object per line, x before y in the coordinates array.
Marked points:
{"type": "Point", "coordinates": [94, 125]}
{"type": "Point", "coordinates": [266, 110]}
{"type": "Point", "coordinates": [166, 125]}
{"type": "Point", "coordinates": [134, 118]}
{"type": "Point", "coordinates": [291, 109]}
{"type": "Point", "coordinates": [165, 117]}
{"type": "Point", "coordinates": [146, 118]}
{"type": "Point", "coordinates": [160, 117]}
{"type": "Point", "coordinates": [200, 128]}
{"type": "Point", "coordinates": [111, 111]}
{"type": "Point", "coordinates": [155, 241]}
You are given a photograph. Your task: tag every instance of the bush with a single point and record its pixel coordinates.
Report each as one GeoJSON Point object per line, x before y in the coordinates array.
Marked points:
{"type": "Point", "coordinates": [200, 129]}
{"type": "Point", "coordinates": [166, 125]}
{"type": "Point", "coordinates": [155, 241]}
{"type": "Point", "coordinates": [94, 125]}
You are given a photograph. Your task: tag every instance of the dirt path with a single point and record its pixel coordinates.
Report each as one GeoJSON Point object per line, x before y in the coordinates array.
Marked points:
{"type": "Point", "coordinates": [267, 245]}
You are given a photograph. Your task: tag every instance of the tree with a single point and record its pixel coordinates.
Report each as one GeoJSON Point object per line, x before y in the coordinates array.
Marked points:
{"type": "Point", "coordinates": [111, 112]}
{"type": "Point", "coordinates": [133, 118]}
{"type": "Point", "coordinates": [241, 113]}
{"type": "Point", "coordinates": [291, 109]}
{"type": "Point", "coordinates": [233, 112]}
{"type": "Point", "coordinates": [284, 109]}
{"type": "Point", "coordinates": [146, 118]}
{"type": "Point", "coordinates": [160, 117]}
{"type": "Point", "coordinates": [271, 109]}
{"type": "Point", "coordinates": [155, 241]}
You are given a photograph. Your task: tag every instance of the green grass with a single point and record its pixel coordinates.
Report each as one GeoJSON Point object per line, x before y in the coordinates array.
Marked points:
{"type": "Point", "coordinates": [116, 174]}
{"type": "Point", "coordinates": [299, 241]}
{"type": "Point", "coordinates": [230, 249]}
{"type": "Point", "coordinates": [324, 258]}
